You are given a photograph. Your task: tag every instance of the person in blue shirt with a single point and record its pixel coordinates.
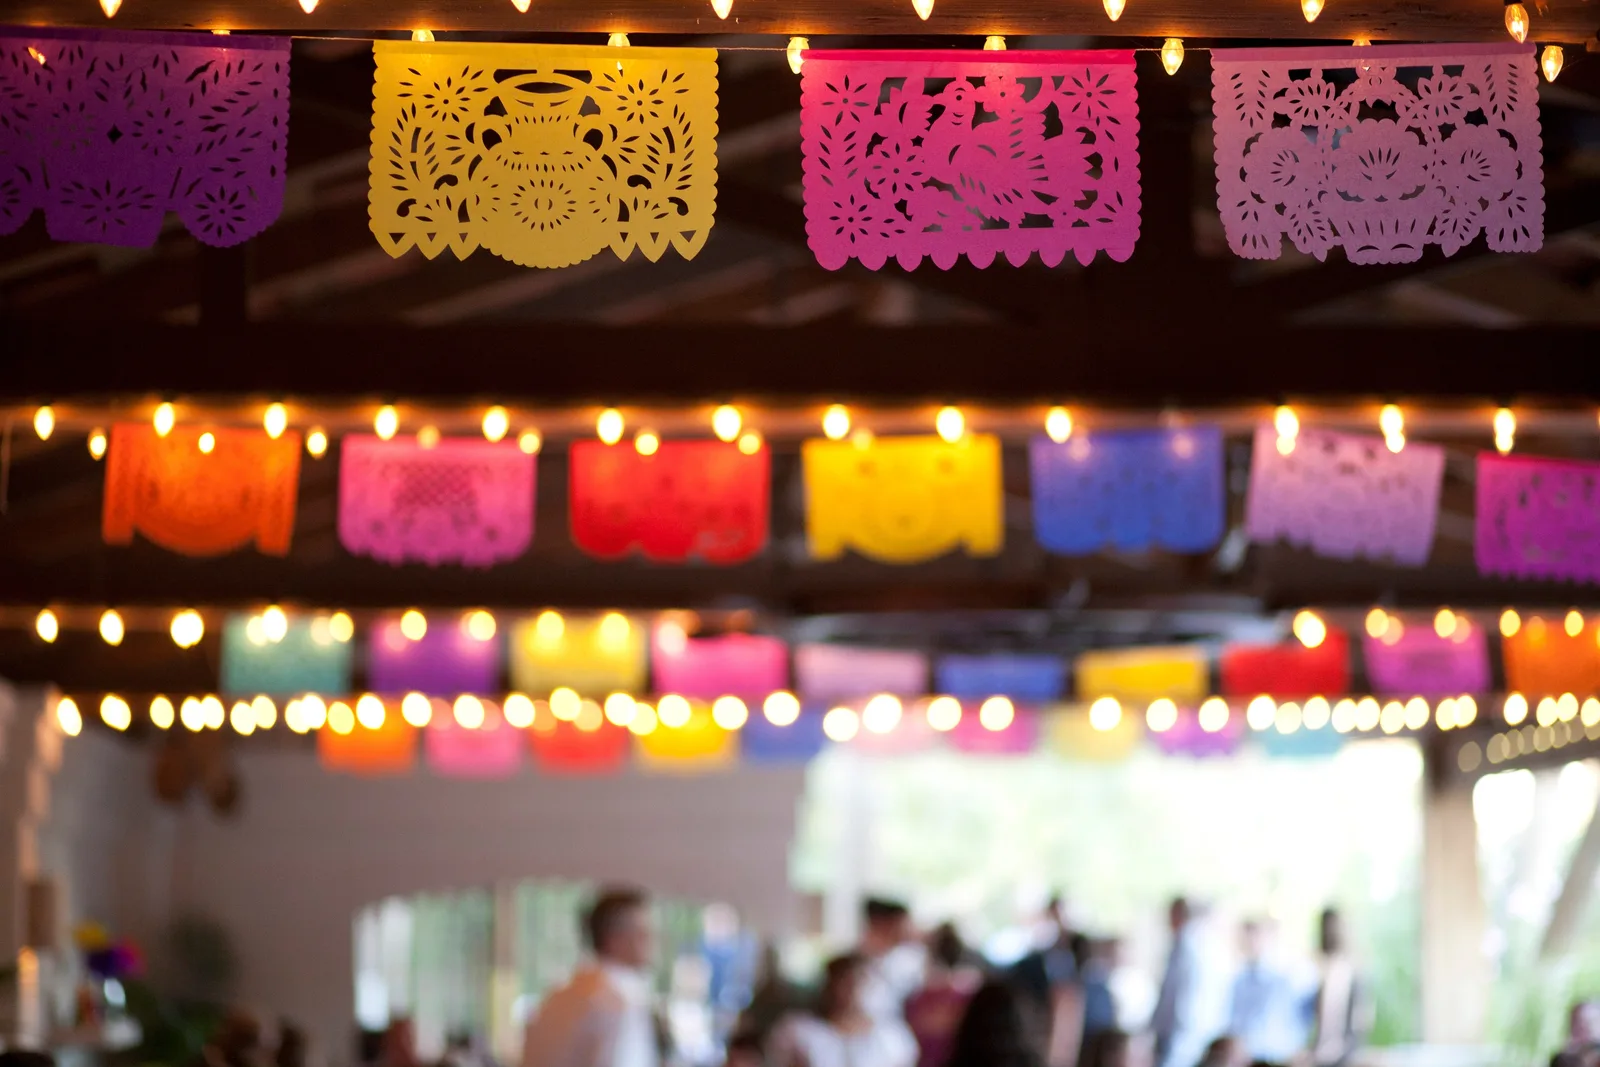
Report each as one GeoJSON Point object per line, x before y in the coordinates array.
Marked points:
{"type": "Point", "coordinates": [1265, 1016]}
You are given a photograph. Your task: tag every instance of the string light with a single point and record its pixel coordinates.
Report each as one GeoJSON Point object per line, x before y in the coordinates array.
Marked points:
{"type": "Point", "coordinates": [1545, 713]}
{"type": "Point", "coordinates": [994, 43]}
{"type": "Point", "coordinates": [1316, 713]}
{"type": "Point", "coordinates": [275, 420]}
{"type": "Point", "coordinates": [212, 712]}
{"type": "Point", "coordinates": [529, 441]}
{"type": "Point", "coordinates": [386, 422]}
{"type": "Point", "coordinates": [1213, 715]}
{"type": "Point", "coordinates": [1161, 715]}
{"type": "Point", "coordinates": [242, 719]}
{"type": "Point", "coordinates": [1310, 629]}
{"type": "Point", "coordinates": [620, 709]}
{"type": "Point", "coordinates": [1260, 713]}
{"type": "Point", "coordinates": [944, 713]}
{"type": "Point", "coordinates": [1377, 623]}
{"type": "Point", "coordinates": [1114, 8]}
{"type": "Point", "coordinates": [617, 40]}
{"type": "Point", "coordinates": [1516, 709]}
{"type": "Point", "coordinates": [881, 714]}
{"type": "Point", "coordinates": [413, 625]}
{"type": "Point", "coordinates": [187, 628]}
{"type": "Point", "coordinates": [308, 6]}
{"type": "Point", "coordinates": [1105, 714]}
{"type": "Point", "coordinates": [1287, 423]}
{"type": "Point", "coordinates": [796, 52]}
{"type": "Point", "coordinates": [341, 720]}
{"type": "Point", "coordinates": [608, 427]}
{"type": "Point", "coordinates": [47, 626]}
{"type": "Point", "coordinates": [44, 422]}
{"type": "Point", "coordinates": [1311, 9]}
{"type": "Point", "coordinates": [370, 712]}
{"type": "Point", "coordinates": [468, 712]}
{"type": "Point", "coordinates": [1172, 54]}
{"type": "Point", "coordinates": [750, 443]}
{"type": "Point", "coordinates": [115, 713]}
{"type": "Point", "coordinates": [1058, 422]}
{"type": "Point", "coordinates": [111, 628]}
{"type": "Point", "coordinates": [417, 710]}
{"type": "Point", "coordinates": [495, 424]}
{"type": "Point", "coordinates": [1466, 711]}
{"type": "Point", "coordinates": [478, 625]}
{"type": "Point", "coordinates": [726, 422]}
{"type": "Point", "coordinates": [1368, 714]}
{"type": "Point", "coordinates": [522, 5]}
{"type": "Point", "coordinates": [1393, 425]}
{"type": "Point", "coordinates": [614, 630]}
{"type": "Point", "coordinates": [1552, 61]}
{"type": "Point", "coordinates": [428, 437]}
{"type": "Point", "coordinates": [1288, 718]}
{"type": "Point", "coordinates": [422, 36]}
{"type": "Point", "coordinates": [207, 443]}
{"type": "Point", "coordinates": [673, 711]}
{"type": "Point", "coordinates": [548, 627]}
{"type": "Point", "coordinates": [1444, 716]}
{"type": "Point", "coordinates": [723, 8]}
{"type": "Point", "coordinates": [841, 724]}
{"type": "Point", "coordinates": [1517, 22]}
{"type": "Point", "coordinates": [836, 423]}
{"type": "Point", "coordinates": [341, 627]}
{"type": "Point", "coordinates": [564, 704]}
{"type": "Point", "coordinates": [162, 713]}
{"type": "Point", "coordinates": [646, 442]}
{"type": "Point", "coordinates": [1343, 716]}
{"type": "Point", "coordinates": [316, 443]}
{"type": "Point", "coordinates": [1510, 623]}
{"type": "Point", "coordinates": [996, 714]}
{"type": "Point", "coordinates": [165, 418]}
{"type": "Point", "coordinates": [274, 624]}
{"type": "Point", "coordinates": [1573, 623]}
{"type": "Point", "coordinates": [781, 708]}
{"type": "Point", "coordinates": [68, 717]}
{"type": "Point", "coordinates": [97, 443]}
{"type": "Point", "coordinates": [1445, 623]}
{"type": "Point", "coordinates": [110, 7]}
{"type": "Point", "coordinates": [923, 8]}
{"type": "Point", "coordinates": [519, 711]}
{"type": "Point", "coordinates": [1505, 430]}
{"type": "Point", "coordinates": [266, 712]}
{"type": "Point", "coordinates": [644, 721]}
{"type": "Point", "coordinates": [950, 424]}
{"type": "Point", "coordinates": [729, 713]}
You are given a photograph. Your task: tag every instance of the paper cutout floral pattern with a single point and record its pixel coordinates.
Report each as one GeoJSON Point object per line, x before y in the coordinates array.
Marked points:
{"type": "Point", "coordinates": [1379, 150]}
{"type": "Point", "coordinates": [595, 655]}
{"type": "Point", "coordinates": [109, 131]}
{"type": "Point", "coordinates": [1070, 734]}
{"type": "Point", "coordinates": [843, 672]}
{"type": "Point", "coordinates": [1140, 675]}
{"type": "Point", "coordinates": [765, 742]}
{"type": "Point", "coordinates": [1289, 670]}
{"type": "Point", "coordinates": [306, 660]}
{"type": "Point", "coordinates": [1129, 490]}
{"type": "Point", "coordinates": [390, 749]}
{"type": "Point", "coordinates": [903, 499]}
{"type": "Point", "coordinates": [943, 154]}
{"type": "Point", "coordinates": [1345, 496]}
{"type": "Point", "coordinates": [201, 503]}
{"type": "Point", "coordinates": [563, 748]}
{"type": "Point", "coordinates": [741, 665]}
{"type": "Point", "coordinates": [492, 750]}
{"type": "Point", "coordinates": [702, 500]}
{"type": "Point", "coordinates": [460, 501]}
{"type": "Point", "coordinates": [698, 745]}
{"type": "Point", "coordinates": [543, 154]}
{"type": "Point", "coordinates": [1543, 659]}
{"type": "Point", "coordinates": [1418, 662]}
{"type": "Point", "coordinates": [1538, 518]}
{"type": "Point", "coordinates": [1188, 738]}
{"type": "Point", "coordinates": [445, 661]}
{"type": "Point", "coordinates": [1026, 679]}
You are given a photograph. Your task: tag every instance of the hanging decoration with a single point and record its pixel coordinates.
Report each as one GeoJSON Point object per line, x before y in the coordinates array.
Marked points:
{"type": "Point", "coordinates": [1018, 737]}
{"type": "Point", "coordinates": [1129, 490]}
{"type": "Point", "coordinates": [390, 748]}
{"type": "Point", "coordinates": [1300, 743]}
{"type": "Point", "coordinates": [1538, 518]}
{"type": "Point", "coordinates": [765, 742]}
{"type": "Point", "coordinates": [201, 502]}
{"type": "Point", "coordinates": [1544, 657]}
{"type": "Point", "coordinates": [1140, 675]}
{"type": "Point", "coordinates": [688, 500]}
{"type": "Point", "coordinates": [1343, 496]}
{"type": "Point", "coordinates": [592, 655]}
{"type": "Point", "coordinates": [1288, 670]}
{"type": "Point", "coordinates": [698, 745]}
{"type": "Point", "coordinates": [1027, 679]}
{"type": "Point", "coordinates": [560, 747]}
{"type": "Point", "coordinates": [444, 660]}
{"type": "Point", "coordinates": [451, 501]}
{"type": "Point", "coordinates": [542, 154]}
{"type": "Point", "coordinates": [889, 735]}
{"type": "Point", "coordinates": [306, 659]}
{"type": "Point", "coordinates": [1187, 737]}
{"type": "Point", "coordinates": [903, 499]}
{"type": "Point", "coordinates": [944, 154]}
{"type": "Point", "coordinates": [742, 665]}
{"type": "Point", "coordinates": [108, 131]}
{"type": "Point", "coordinates": [1070, 734]}
{"type": "Point", "coordinates": [844, 672]}
{"type": "Point", "coordinates": [1372, 149]}
{"type": "Point", "coordinates": [492, 749]}
{"type": "Point", "coordinates": [1410, 657]}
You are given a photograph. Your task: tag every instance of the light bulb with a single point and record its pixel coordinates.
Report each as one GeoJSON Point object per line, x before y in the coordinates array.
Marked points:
{"type": "Point", "coordinates": [951, 424]}
{"type": "Point", "coordinates": [274, 624]}
{"type": "Point", "coordinates": [162, 713]}
{"type": "Point", "coordinates": [341, 720]}
{"type": "Point", "coordinates": [1213, 715]}
{"type": "Point", "coordinates": [68, 717]}
{"type": "Point", "coordinates": [1517, 22]}
{"type": "Point", "coordinates": [386, 422]}
{"type": "Point", "coordinates": [842, 723]}
{"type": "Point", "coordinates": [1114, 8]}
{"type": "Point", "coordinates": [723, 8]}
{"type": "Point", "coordinates": [781, 708]}
{"type": "Point", "coordinates": [266, 712]}
{"type": "Point", "coordinates": [370, 712]}
{"type": "Point", "coordinates": [242, 719]}
{"type": "Point", "coordinates": [617, 40]}
{"type": "Point", "coordinates": [1058, 423]}
{"type": "Point", "coordinates": [422, 36]}
{"type": "Point", "coordinates": [111, 629]}
{"type": "Point", "coordinates": [644, 721]}
{"type": "Point", "coordinates": [1377, 622]}
{"type": "Point", "coordinates": [308, 6]}
{"type": "Point", "coordinates": [316, 443]}
{"type": "Point", "coordinates": [750, 443]}
{"type": "Point", "coordinates": [1445, 623]}
{"type": "Point", "coordinates": [614, 630]}
{"type": "Point", "coordinates": [1573, 623]}
{"type": "Point", "coordinates": [1466, 711]}
{"type": "Point", "coordinates": [1161, 715]}
{"type": "Point", "coordinates": [44, 422]}
{"type": "Point", "coordinates": [1286, 422]}
{"type": "Point", "coordinates": [996, 714]}
{"type": "Point", "coordinates": [620, 708]}
{"type": "Point", "coordinates": [413, 625]}
{"type": "Point", "coordinates": [341, 627]}
{"type": "Point", "coordinates": [924, 9]}
{"type": "Point", "coordinates": [110, 7]}
{"type": "Point", "coordinates": [548, 627]}
{"type": "Point", "coordinates": [565, 704]}
{"type": "Point", "coordinates": [1311, 9]}
{"type": "Point", "coordinates": [416, 709]}
{"type": "Point", "coordinates": [836, 423]}
{"type": "Point", "coordinates": [207, 443]}
{"type": "Point", "coordinates": [729, 713]}
{"type": "Point", "coordinates": [881, 714]}
{"type": "Point", "coordinates": [646, 442]}
{"type": "Point", "coordinates": [478, 625]}
{"type": "Point", "coordinates": [518, 711]}
{"type": "Point", "coordinates": [673, 711]}
{"type": "Point", "coordinates": [468, 711]}
{"type": "Point", "coordinates": [726, 422]}
{"type": "Point", "coordinates": [1510, 623]}
{"type": "Point", "coordinates": [1391, 421]}
{"type": "Point", "coordinates": [165, 418]}
{"type": "Point", "coordinates": [428, 437]}
{"type": "Point", "coordinates": [944, 713]}
{"type": "Point", "coordinates": [1260, 713]}
{"type": "Point", "coordinates": [1310, 629]}
{"type": "Point", "coordinates": [994, 43]}
{"type": "Point", "coordinates": [115, 713]}
{"type": "Point", "coordinates": [1105, 714]}
{"type": "Point", "coordinates": [529, 441]}
{"type": "Point", "coordinates": [1505, 430]}
{"type": "Point", "coordinates": [796, 52]}
{"type": "Point", "coordinates": [495, 424]}
{"type": "Point", "coordinates": [1551, 62]}
{"type": "Point", "coordinates": [1516, 709]}
{"type": "Point", "coordinates": [47, 626]}
{"type": "Point", "coordinates": [608, 427]}
{"type": "Point", "coordinates": [212, 713]}
{"type": "Point", "coordinates": [97, 443]}
{"type": "Point", "coordinates": [275, 420]}
{"type": "Point", "coordinates": [187, 628]}
{"type": "Point", "coordinates": [521, 5]}
{"type": "Point", "coordinates": [1172, 54]}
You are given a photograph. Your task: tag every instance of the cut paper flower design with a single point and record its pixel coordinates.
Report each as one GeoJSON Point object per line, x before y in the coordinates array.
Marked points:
{"type": "Point", "coordinates": [944, 154]}
{"type": "Point", "coordinates": [543, 154]}
{"type": "Point", "coordinates": [1378, 150]}
{"type": "Point", "coordinates": [1538, 518]}
{"type": "Point", "coordinates": [108, 131]}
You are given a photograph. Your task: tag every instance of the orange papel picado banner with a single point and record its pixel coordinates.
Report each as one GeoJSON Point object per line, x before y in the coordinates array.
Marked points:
{"type": "Point", "coordinates": [1546, 657]}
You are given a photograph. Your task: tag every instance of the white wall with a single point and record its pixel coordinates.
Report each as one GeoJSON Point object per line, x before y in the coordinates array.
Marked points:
{"type": "Point", "coordinates": [308, 848]}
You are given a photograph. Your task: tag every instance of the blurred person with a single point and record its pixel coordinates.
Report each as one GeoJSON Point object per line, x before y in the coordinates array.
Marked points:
{"type": "Point", "coordinates": [236, 1042]}
{"type": "Point", "coordinates": [1583, 1036]}
{"type": "Point", "coordinates": [1224, 1052]}
{"type": "Point", "coordinates": [1100, 1008]}
{"type": "Point", "coordinates": [603, 1016]}
{"type": "Point", "coordinates": [745, 1050]}
{"type": "Point", "coordinates": [1187, 1016]}
{"type": "Point", "coordinates": [1342, 1013]}
{"type": "Point", "coordinates": [1053, 965]}
{"type": "Point", "coordinates": [294, 1048]}
{"type": "Point", "coordinates": [773, 998]}
{"type": "Point", "coordinates": [842, 1032]}
{"type": "Point", "coordinates": [1109, 1048]}
{"type": "Point", "coordinates": [996, 1031]}
{"type": "Point", "coordinates": [894, 959]}
{"type": "Point", "coordinates": [935, 1011]}
{"type": "Point", "coordinates": [1265, 1010]}
{"type": "Point", "coordinates": [398, 1047]}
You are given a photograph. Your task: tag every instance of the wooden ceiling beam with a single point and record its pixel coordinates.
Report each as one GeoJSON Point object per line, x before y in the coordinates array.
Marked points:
{"type": "Point", "coordinates": [1569, 21]}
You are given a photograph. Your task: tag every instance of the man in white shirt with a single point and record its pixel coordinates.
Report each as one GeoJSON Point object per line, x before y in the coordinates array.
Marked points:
{"type": "Point", "coordinates": [1343, 1010]}
{"type": "Point", "coordinates": [603, 1016]}
{"type": "Point", "coordinates": [895, 961]}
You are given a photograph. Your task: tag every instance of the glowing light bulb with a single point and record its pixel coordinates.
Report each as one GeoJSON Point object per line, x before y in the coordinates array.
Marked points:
{"type": "Point", "coordinates": [1058, 422]}
{"type": "Point", "coordinates": [115, 713]}
{"type": "Point", "coordinates": [836, 423]}
{"type": "Point", "coordinates": [316, 443]}
{"type": "Point", "coordinates": [274, 624]}
{"type": "Point", "coordinates": [1393, 425]}
{"type": "Point", "coordinates": [422, 36]}
{"type": "Point", "coordinates": [386, 422]}
{"type": "Point", "coordinates": [162, 713]}
{"type": "Point", "coordinates": [522, 5]}
{"type": "Point", "coordinates": [468, 711]}
{"type": "Point", "coordinates": [369, 712]}
{"type": "Point", "coordinates": [165, 418]}
{"type": "Point", "coordinates": [996, 714]}
{"type": "Point", "coordinates": [1287, 423]}
{"type": "Point", "coordinates": [242, 719]}
{"type": "Point", "coordinates": [1310, 629]}
{"type": "Point", "coordinates": [1510, 623]}
{"type": "Point", "coordinates": [1260, 713]}
{"type": "Point", "coordinates": [111, 629]}
{"type": "Point", "coordinates": [1114, 8]}
{"type": "Point", "coordinates": [341, 719]}
{"type": "Point", "coordinates": [944, 713]}
{"type": "Point", "coordinates": [1213, 715]}
{"type": "Point", "coordinates": [212, 712]}
{"type": "Point", "coordinates": [951, 424]}
{"type": "Point", "coordinates": [646, 442]}
{"type": "Point", "coordinates": [723, 8]}
{"type": "Point", "coordinates": [608, 427]}
{"type": "Point", "coordinates": [1161, 715]}
{"type": "Point", "coordinates": [994, 43]}
{"type": "Point", "coordinates": [529, 441]}
{"type": "Point", "coordinates": [796, 52]}
{"type": "Point", "coordinates": [275, 420]}
{"type": "Point", "coordinates": [187, 628]}
{"type": "Point", "coordinates": [340, 627]}
{"type": "Point", "coordinates": [1288, 717]}
{"type": "Point", "coordinates": [1516, 709]}
{"type": "Point", "coordinates": [1505, 430]}
{"type": "Point", "coordinates": [266, 712]}
{"type": "Point", "coordinates": [750, 443]}
{"type": "Point", "coordinates": [729, 713]}
{"type": "Point", "coordinates": [1316, 713]}
{"type": "Point", "coordinates": [548, 627]}
{"type": "Point", "coordinates": [479, 625]}
{"type": "Point", "coordinates": [1517, 22]}
{"type": "Point", "coordinates": [308, 6]}
{"type": "Point", "coordinates": [617, 40]}
{"type": "Point", "coordinates": [110, 7]}
{"type": "Point", "coordinates": [1377, 622]}
{"type": "Point", "coordinates": [1105, 714]}
{"type": "Point", "coordinates": [1552, 61]}
{"type": "Point", "coordinates": [47, 626]}
{"type": "Point", "coordinates": [620, 709]}
{"type": "Point", "coordinates": [1311, 9]}
{"type": "Point", "coordinates": [1172, 54]}
{"type": "Point", "coordinates": [519, 711]}
{"type": "Point", "coordinates": [1466, 711]}
{"type": "Point", "coordinates": [841, 724]}
{"type": "Point", "coordinates": [781, 708]}
{"type": "Point", "coordinates": [97, 443]}
{"type": "Point", "coordinates": [565, 704]}
{"type": "Point", "coordinates": [428, 437]}
{"type": "Point", "coordinates": [1573, 623]}
{"type": "Point", "coordinates": [414, 625]}
{"type": "Point", "coordinates": [44, 422]}
{"type": "Point", "coordinates": [644, 721]}
{"type": "Point", "coordinates": [924, 10]}
{"type": "Point", "coordinates": [1445, 623]}
{"type": "Point", "coordinates": [673, 711]}
{"type": "Point", "coordinates": [726, 422]}
{"type": "Point", "coordinates": [68, 717]}
{"type": "Point", "coordinates": [207, 442]}
{"type": "Point", "coordinates": [417, 710]}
